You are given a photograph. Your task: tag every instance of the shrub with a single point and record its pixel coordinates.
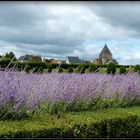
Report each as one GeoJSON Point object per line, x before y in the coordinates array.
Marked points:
{"type": "Point", "coordinates": [81, 68]}
{"type": "Point", "coordinates": [137, 68]}
{"type": "Point", "coordinates": [37, 70]}
{"type": "Point", "coordinates": [129, 69]}
{"type": "Point", "coordinates": [102, 70]}
{"type": "Point", "coordinates": [70, 70]}
{"type": "Point", "coordinates": [60, 70]}
{"type": "Point", "coordinates": [27, 69]}
{"type": "Point", "coordinates": [111, 68]}
{"type": "Point", "coordinates": [4, 62]}
{"type": "Point", "coordinates": [34, 70]}
{"type": "Point", "coordinates": [92, 68]}
{"type": "Point", "coordinates": [122, 70]}
{"type": "Point", "coordinates": [49, 67]}
{"type": "Point", "coordinates": [55, 70]}
{"type": "Point", "coordinates": [11, 56]}
{"type": "Point", "coordinates": [40, 70]}
{"type": "Point", "coordinates": [123, 127]}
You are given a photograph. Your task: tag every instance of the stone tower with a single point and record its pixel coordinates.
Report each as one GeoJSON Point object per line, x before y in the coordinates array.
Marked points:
{"type": "Point", "coordinates": [105, 57]}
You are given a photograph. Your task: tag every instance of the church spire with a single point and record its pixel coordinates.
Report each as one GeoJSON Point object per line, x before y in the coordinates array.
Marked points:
{"type": "Point", "coordinates": [105, 50]}
{"type": "Point", "coordinates": [105, 45]}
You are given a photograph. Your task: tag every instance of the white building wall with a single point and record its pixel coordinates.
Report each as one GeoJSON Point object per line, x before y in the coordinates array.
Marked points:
{"type": "Point", "coordinates": [67, 61]}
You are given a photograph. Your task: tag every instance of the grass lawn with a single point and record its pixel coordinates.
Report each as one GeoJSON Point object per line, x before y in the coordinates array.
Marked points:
{"type": "Point", "coordinates": [9, 128]}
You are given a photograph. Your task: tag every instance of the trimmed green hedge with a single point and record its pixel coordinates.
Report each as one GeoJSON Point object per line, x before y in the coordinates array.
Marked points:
{"type": "Point", "coordinates": [115, 123]}
{"type": "Point", "coordinates": [39, 66]}
{"type": "Point", "coordinates": [111, 128]}
{"type": "Point", "coordinates": [111, 68]}
{"type": "Point", "coordinates": [122, 70]}
{"type": "Point", "coordinates": [137, 68]}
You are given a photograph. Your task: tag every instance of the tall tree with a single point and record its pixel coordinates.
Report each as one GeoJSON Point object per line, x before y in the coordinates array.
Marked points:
{"type": "Point", "coordinates": [11, 56]}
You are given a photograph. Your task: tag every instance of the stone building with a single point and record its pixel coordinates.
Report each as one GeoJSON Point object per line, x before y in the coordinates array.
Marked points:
{"type": "Point", "coordinates": [105, 57]}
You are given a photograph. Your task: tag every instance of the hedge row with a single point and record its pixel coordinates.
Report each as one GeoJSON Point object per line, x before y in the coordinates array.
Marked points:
{"type": "Point", "coordinates": [5, 62]}
{"type": "Point", "coordinates": [119, 127]}
{"type": "Point", "coordinates": [39, 66]}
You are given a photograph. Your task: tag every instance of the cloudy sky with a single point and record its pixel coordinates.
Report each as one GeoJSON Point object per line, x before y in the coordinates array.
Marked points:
{"type": "Point", "coordinates": [60, 29]}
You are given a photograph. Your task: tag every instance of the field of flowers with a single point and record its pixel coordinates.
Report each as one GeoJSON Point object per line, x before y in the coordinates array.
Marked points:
{"type": "Point", "coordinates": [22, 94]}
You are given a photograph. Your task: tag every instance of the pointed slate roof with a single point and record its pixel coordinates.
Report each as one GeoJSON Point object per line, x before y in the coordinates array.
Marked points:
{"type": "Point", "coordinates": [105, 50]}
{"type": "Point", "coordinates": [24, 57]}
{"type": "Point", "coordinates": [73, 59]}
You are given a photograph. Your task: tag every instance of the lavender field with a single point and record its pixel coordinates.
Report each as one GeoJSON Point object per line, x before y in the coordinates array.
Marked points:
{"type": "Point", "coordinates": [22, 94]}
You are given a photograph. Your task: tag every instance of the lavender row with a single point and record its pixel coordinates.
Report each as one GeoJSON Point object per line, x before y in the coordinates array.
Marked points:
{"type": "Point", "coordinates": [18, 89]}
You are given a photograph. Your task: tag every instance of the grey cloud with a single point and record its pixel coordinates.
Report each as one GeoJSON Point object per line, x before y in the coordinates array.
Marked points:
{"type": "Point", "coordinates": [61, 29]}
{"type": "Point", "coordinates": [120, 14]}
{"type": "Point", "coordinates": [46, 48]}
{"type": "Point", "coordinates": [30, 24]}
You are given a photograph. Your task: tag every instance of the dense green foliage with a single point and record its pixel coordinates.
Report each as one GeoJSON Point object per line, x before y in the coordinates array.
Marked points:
{"type": "Point", "coordinates": [70, 70]}
{"type": "Point", "coordinates": [49, 67]}
{"type": "Point", "coordinates": [112, 123]}
{"type": "Point", "coordinates": [137, 68]}
{"type": "Point", "coordinates": [38, 66]}
{"type": "Point", "coordinates": [111, 68]}
{"type": "Point", "coordinates": [92, 68]}
{"type": "Point", "coordinates": [11, 56]}
{"type": "Point", "coordinates": [122, 70]}
{"type": "Point", "coordinates": [81, 68]}
{"type": "Point", "coordinates": [60, 70]}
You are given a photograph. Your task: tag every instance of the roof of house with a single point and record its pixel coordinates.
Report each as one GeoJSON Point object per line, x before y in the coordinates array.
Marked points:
{"type": "Point", "coordinates": [55, 61]}
{"type": "Point", "coordinates": [113, 61]}
{"type": "Point", "coordinates": [28, 57]}
{"type": "Point", "coordinates": [105, 50]}
{"type": "Point", "coordinates": [74, 59]}
{"type": "Point", "coordinates": [25, 57]}
{"type": "Point", "coordinates": [62, 61]}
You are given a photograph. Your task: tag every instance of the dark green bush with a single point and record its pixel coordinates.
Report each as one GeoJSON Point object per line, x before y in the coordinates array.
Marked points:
{"type": "Point", "coordinates": [123, 127]}
{"type": "Point", "coordinates": [111, 68]}
{"type": "Point", "coordinates": [36, 64]}
{"type": "Point", "coordinates": [60, 70]}
{"type": "Point", "coordinates": [137, 68]}
{"type": "Point", "coordinates": [10, 56]}
{"type": "Point", "coordinates": [36, 70]}
{"type": "Point", "coordinates": [4, 62]}
{"type": "Point", "coordinates": [27, 68]}
{"type": "Point", "coordinates": [122, 70]}
{"type": "Point", "coordinates": [70, 70]}
{"type": "Point", "coordinates": [81, 68]}
{"type": "Point", "coordinates": [49, 67]}
{"type": "Point", "coordinates": [92, 68]}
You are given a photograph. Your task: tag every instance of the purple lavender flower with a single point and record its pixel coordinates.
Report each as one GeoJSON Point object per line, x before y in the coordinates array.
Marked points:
{"type": "Point", "coordinates": [30, 90]}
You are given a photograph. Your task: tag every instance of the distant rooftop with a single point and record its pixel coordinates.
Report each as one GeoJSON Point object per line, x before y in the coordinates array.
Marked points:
{"type": "Point", "coordinates": [73, 59]}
